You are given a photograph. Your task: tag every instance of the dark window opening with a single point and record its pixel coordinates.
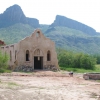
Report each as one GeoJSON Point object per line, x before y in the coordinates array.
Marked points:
{"type": "Point", "coordinates": [48, 56]}
{"type": "Point", "coordinates": [15, 54]}
{"type": "Point", "coordinates": [10, 56]}
{"type": "Point", "coordinates": [27, 55]}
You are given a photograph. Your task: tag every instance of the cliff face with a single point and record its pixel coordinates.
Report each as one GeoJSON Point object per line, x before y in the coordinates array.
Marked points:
{"type": "Point", "coordinates": [13, 15]}
{"type": "Point", "coordinates": [66, 22]}
{"type": "Point", "coordinates": [33, 22]}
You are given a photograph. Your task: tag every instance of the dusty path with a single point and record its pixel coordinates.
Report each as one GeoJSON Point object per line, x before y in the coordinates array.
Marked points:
{"type": "Point", "coordinates": [47, 85]}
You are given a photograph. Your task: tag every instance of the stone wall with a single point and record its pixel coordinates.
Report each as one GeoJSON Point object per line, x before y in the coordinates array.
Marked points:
{"type": "Point", "coordinates": [24, 68]}
{"type": "Point", "coordinates": [50, 67]}
{"type": "Point", "coordinates": [94, 76]}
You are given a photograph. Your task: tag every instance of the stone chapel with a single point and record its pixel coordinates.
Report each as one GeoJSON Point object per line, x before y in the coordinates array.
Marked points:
{"type": "Point", "coordinates": [35, 51]}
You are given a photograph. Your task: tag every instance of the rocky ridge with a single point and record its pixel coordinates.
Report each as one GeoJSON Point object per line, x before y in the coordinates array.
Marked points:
{"type": "Point", "coordinates": [67, 22]}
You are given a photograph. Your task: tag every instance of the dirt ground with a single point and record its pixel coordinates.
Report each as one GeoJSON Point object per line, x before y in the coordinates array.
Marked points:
{"type": "Point", "coordinates": [47, 85]}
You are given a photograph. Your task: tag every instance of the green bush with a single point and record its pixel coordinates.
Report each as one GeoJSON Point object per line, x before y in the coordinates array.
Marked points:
{"type": "Point", "coordinates": [75, 60]}
{"type": "Point", "coordinates": [97, 56]}
{"type": "Point", "coordinates": [3, 61]}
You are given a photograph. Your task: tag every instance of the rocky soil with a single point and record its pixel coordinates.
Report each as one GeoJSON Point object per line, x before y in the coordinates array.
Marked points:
{"type": "Point", "coordinates": [47, 85]}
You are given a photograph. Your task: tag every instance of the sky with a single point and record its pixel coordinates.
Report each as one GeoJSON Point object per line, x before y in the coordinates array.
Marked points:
{"type": "Point", "coordinates": [84, 11]}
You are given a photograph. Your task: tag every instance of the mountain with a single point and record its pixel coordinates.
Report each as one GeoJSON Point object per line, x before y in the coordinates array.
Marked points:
{"type": "Point", "coordinates": [67, 22]}
{"type": "Point", "coordinates": [66, 33]}
{"type": "Point", "coordinates": [13, 15]}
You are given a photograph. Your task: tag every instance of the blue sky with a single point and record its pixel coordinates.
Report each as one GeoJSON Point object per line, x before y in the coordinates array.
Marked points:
{"type": "Point", "coordinates": [85, 11]}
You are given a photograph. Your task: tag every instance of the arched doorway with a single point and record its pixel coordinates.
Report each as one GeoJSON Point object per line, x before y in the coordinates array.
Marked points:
{"type": "Point", "coordinates": [38, 59]}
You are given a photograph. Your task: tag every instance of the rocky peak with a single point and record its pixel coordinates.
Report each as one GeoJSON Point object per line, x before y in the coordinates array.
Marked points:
{"type": "Point", "coordinates": [67, 22]}
{"type": "Point", "coordinates": [15, 9]}
{"type": "Point", "coordinates": [13, 15]}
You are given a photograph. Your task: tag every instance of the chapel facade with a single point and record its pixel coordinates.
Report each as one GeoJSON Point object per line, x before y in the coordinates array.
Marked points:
{"type": "Point", "coordinates": [35, 51]}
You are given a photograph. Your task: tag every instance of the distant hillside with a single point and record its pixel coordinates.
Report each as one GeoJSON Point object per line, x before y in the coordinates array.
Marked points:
{"type": "Point", "coordinates": [75, 40]}
{"type": "Point", "coordinates": [64, 37]}
{"type": "Point", "coordinates": [66, 22]}
{"type": "Point", "coordinates": [13, 15]}
{"type": "Point", "coordinates": [15, 33]}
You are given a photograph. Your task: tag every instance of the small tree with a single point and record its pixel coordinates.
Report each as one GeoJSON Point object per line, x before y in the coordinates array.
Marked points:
{"type": "Point", "coordinates": [3, 61]}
